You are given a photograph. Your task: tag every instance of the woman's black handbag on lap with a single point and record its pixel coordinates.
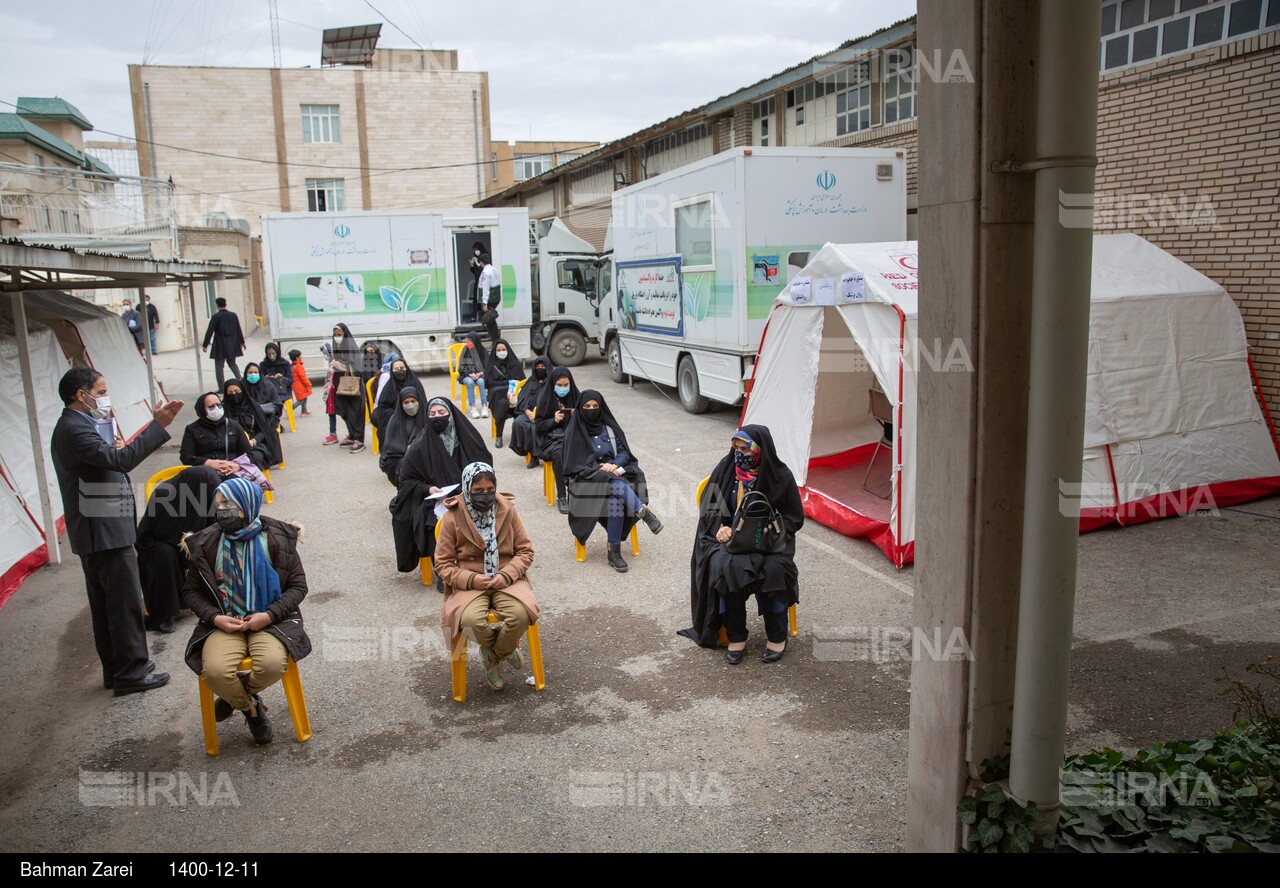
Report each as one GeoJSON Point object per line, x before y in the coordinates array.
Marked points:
{"type": "Point", "coordinates": [757, 527]}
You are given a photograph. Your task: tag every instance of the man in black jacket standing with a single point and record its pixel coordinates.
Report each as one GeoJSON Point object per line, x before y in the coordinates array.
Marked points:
{"type": "Point", "coordinates": [227, 338]}
{"type": "Point", "coordinates": [153, 320]}
{"type": "Point", "coordinates": [102, 522]}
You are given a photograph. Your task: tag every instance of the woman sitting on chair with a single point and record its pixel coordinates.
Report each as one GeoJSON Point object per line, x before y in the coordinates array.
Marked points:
{"type": "Point", "coordinates": [214, 439]}
{"type": "Point", "coordinates": [522, 436]}
{"type": "Point", "coordinates": [404, 425]}
{"type": "Point", "coordinates": [179, 506]}
{"type": "Point", "coordinates": [555, 406]}
{"type": "Point", "coordinates": [245, 584]}
{"type": "Point", "coordinates": [606, 485]}
{"type": "Point", "coordinates": [483, 555]}
{"type": "Point", "coordinates": [502, 369]}
{"type": "Point", "coordinates": [387, 399]}
{"type": "Point", "coordinates": [262, 392]}
{"type": "Point", "coordinates": [264, 442]}
{"type": "Point", "coordinates": [722, 581]}
{"type": "Point", "coordinates": [432, 463]}
{"type": "Point", "coordinates": [471, 365]}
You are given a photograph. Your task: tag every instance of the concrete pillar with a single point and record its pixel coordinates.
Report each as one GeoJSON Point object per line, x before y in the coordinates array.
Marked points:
{"type": "Point", "coordinates": [975, 277]}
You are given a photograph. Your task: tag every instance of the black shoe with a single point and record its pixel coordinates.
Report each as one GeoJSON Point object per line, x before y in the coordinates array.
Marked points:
{"type": "Point", "coordinates": [168, 627]}
{"type": "Point", "coordinates": [259, 725]}
{"type": "Point", "coordinates": [650, 520]}
{"type": "Point", "coordinates": [562, 503]}
{"type": "Point", "coordinates": [222, 710]}
{"type": "Point", "coordinates": [534, 464]}
{"type": "Point", "coordinates": [108, 683]}
{"type": "Point", "coordinates": [733, 658]}
{"type": "Point", "coordinates": [498, 444]}
{"type": "Point", "coordinates": [153, 680]}
{"type": "Point", "coordinates": [772, 656]}
{"type": "Point", "coordinates": [615, 558]}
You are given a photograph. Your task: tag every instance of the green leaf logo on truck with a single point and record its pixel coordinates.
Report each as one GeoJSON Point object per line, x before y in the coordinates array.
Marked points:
{"type": "Point", "coordinates": [402, 300]}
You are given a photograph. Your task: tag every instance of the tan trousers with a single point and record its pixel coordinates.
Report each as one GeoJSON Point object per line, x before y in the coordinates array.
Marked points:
{"type": "Point", "coordinates": [222, 654]}
{"type": "Point", "coordinates": [503, 637]}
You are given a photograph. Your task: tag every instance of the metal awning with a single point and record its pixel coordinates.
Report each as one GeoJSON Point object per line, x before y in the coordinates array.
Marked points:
{"type": "Point", "coordinates": [28, 267]}
{"type": "Point", "coordinates": [349, 46]}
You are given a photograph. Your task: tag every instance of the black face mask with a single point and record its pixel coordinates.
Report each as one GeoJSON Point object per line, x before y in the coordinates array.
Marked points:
{"type": "Point", "coordinates": [229, 520]}
{"type": "Point", "coordinates": [439, 424]}
{"type": "Point", "coordinates": [591, 416]}
{"type": "Point", "coordinates": [236, 399]}
{"type": "Point", "coordinates": [400, 375]}
{"type": "Point", "coordinates": [540, 372]}
{"type": "Point", "coordinates": [483, 502]}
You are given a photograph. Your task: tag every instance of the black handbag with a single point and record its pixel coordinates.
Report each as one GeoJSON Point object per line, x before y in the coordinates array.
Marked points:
{"type": "Point", "coordinates": [757, 527]}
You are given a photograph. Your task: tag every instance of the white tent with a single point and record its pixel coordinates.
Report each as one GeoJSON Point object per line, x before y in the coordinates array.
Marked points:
{"type": "Point", "coordinates": [1175, 421]}
{"type": "Point", "coordinates": [22, 541]}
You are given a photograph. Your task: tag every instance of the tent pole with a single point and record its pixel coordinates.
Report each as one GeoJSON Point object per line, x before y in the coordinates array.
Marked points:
{"type": "Point", "coordinates": [33, 424]}
{"type": "Point", "coordinates": [1066, 132]}
{"type": "Point", "coordinates": [195, 339]}
{"type": "Point", "coordinates": [146, 350]}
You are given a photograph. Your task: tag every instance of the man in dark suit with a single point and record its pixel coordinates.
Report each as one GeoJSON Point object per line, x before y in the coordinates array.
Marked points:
{"type": "Point", "coordinates": [153, 320]}
{"type": "Point", "coordinates": [102, 522]}
{"type": "Point", "coordinates": [228, 340]}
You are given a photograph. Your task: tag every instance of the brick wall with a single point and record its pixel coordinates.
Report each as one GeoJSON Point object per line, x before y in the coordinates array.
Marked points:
{"type": "Point", "coordinates": [1189, 158]}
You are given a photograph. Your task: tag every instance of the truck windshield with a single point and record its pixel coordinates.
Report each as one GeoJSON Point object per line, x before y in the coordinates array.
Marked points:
{"type": "Point", "coordinates": [577, 274]}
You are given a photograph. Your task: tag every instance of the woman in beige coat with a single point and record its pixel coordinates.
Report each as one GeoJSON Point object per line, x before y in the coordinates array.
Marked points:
{"type": "Point", "coordinates": [483, 554]}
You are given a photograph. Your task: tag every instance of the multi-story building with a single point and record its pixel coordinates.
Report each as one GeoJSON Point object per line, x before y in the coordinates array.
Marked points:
{"type": "Point", "coordinates": [512, 162]}
{"type": "Point", "coordinates": [1188, 139]}
{"type": "Point", "coordinates": [410, 130]}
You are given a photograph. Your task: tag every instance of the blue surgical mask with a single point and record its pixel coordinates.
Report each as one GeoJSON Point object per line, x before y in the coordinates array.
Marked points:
{"type": "Point", "coordinates": [562, 391]}
{"type": "Point", "coordinates": [252, 377]}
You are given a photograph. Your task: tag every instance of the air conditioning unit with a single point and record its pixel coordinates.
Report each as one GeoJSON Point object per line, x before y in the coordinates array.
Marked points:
{"type": "Point", "coordinates": [217, 220]}
{"type": "Point", "coordinates": [884, 172]}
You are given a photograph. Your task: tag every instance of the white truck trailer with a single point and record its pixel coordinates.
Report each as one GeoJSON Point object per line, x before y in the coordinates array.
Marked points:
{"type": "Point", "coordinates": [701, 252]}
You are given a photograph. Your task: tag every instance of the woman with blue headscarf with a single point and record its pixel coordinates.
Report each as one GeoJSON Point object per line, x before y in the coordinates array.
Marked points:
{"type": "Point", "coordinates": [244, 585]}
{"type": "Point", "coordinates": [483, 555]}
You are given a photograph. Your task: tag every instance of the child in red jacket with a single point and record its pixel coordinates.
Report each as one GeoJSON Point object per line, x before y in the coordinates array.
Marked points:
{"type": "Point", "coordinates": [301, 385]}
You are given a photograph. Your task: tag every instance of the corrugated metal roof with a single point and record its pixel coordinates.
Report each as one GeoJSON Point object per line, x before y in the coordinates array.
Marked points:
{"type": "Point", "coordinates": [53, 109]}
{"type": "Point", "coordinates": [98, 166]}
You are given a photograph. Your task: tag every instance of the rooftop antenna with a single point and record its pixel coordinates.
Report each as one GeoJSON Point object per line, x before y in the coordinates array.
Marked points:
{"type": "Point", "coordinates": [275, 34]}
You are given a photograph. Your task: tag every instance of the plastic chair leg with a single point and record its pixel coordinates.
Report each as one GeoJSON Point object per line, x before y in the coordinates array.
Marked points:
{"type": "Point", "coordinates": [535, 657]}
{"type": "Point", "coordinates": [549, 483]}
{"type": "Point", "coordinates": [791, 618]}
{"type": "Point", "coordinates": [288, 409]}
{"type": "Point", "coordinates": [580, 551]}
{"type": "Point", "coordinates": [459, 669]}
{"type": "Point", "coordinates": [428, 577]}
{"type": "Point", "coordinates": [635, 541]}
{"type": "Point", "coordinates": [724, 638]}
{"type": "Point", "coordinates": [375, 442]}
{"type": "Point", "coordinates": [293, 695]}
{"type": "Point", "coordinates": [207, 719]}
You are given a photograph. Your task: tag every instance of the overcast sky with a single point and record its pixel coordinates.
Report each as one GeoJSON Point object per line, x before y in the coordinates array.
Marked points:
{"type": "Point", "coordinates": [569, 70]}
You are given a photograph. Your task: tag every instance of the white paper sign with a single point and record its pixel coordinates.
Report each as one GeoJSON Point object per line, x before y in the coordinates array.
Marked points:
{"type": "Point", "coordinates": [800, 290]}
{"type": "Point", "coordinates": [825, 291]}
{"type": "Point", "coordinates": [853, 287]}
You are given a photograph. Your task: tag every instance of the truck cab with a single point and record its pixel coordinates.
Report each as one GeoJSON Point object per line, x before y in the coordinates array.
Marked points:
{"type": "Point", "coordinates": [570, 283]}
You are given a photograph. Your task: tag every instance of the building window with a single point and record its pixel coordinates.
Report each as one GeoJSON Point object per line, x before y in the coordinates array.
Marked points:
{"type": "Point", "coordinates": [695, 234]}
{"type": "Point", "coordinates": [761, 113]}
{"type": "Point", "coordinates": [530, 165]}
{"type": "Point", "coordinates": [853, 109]}
{"type": "Point", "coordinates": [320, 123]}
{"type": "Point", "coordinates": [325, 195]}
{"type": "Point", "coordinates": [1138, 31]}
{"type": "Point", "coordinates": [494, 161]}
{"type": "Point", "coordinates": [898, 84]}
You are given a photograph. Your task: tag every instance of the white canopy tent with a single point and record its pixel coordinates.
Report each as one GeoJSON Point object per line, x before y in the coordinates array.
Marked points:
{"type": "Point", "coordinates": [1175, 420]}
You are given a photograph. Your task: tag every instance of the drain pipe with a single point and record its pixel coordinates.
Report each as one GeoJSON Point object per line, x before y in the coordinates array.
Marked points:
{"type": "Point", "coordinates": [1066, 135]}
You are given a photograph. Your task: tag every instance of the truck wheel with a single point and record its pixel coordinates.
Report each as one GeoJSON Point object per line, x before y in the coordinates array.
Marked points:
{"type": "Point", "coordinates": [615, 361]}
{"type": "Point", "coordinates": [687, 384]}
{"type": "Point", "coordinates": [567, 348]}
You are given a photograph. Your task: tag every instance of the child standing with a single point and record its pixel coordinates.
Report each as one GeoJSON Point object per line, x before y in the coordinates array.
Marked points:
{"type": "Point", "coordinates": [301, 385]}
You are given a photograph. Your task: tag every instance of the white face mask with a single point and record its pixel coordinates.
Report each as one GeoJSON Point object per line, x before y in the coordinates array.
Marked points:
{"type": "Point", "coordinates": [477, 252]}
{"type": "Point", "coordinates": [101, 408]}
{"type": "Point", "coordinates": [501, 354]}
{"type": "Point", "coordinates": [215, 413]}
{"type": "Point", "coordinates": [337, 337]}
{"type": "Point", "coordinates": [411, 408]}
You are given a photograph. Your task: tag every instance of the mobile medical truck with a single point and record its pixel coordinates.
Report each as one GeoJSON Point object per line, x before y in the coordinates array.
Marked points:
{"type": "Point", "coordinates": [570, 284]}
{"type": "Point", "coordinates": [403, 277]}
{"type": "Point", "coordinates": [701, 252]}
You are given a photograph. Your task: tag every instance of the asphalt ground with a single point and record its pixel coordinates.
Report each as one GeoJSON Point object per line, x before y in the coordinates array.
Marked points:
{"type": "Point", "coordinates": [640, 740]}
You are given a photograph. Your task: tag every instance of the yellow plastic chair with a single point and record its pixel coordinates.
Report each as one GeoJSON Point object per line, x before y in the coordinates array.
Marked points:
{"type": "Point", "coordinates": [267, 496]}
{"type": "Point", "coordinates": [791, 611]}
{"type": "Point", "coordinates": [580, 550]}
{"type": "Point", "coordinates": [368, 407]}
{"type": "Point", "coordinates": [292, 683]}
{"type": "Point", "coordinates": [459, 660]}
{"type": "Point", "coordinates": [455, 355]}
{"type": "Point", "coordinates": [288, 411]}
{"type": "Point", "coordinates": [549, 483]}
{"type": "Point", "coordinates": [162, 476]}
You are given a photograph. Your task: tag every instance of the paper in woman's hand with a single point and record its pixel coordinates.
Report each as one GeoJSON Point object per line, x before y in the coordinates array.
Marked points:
{"type": "Point", "coordinates": [444, 491]}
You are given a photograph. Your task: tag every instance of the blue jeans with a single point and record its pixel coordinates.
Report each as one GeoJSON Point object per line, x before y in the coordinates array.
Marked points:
{"type": "Point", "coordinates": [622, 502]}
{"type": "Point", "coordinates": [471, 386]}
{"type": "Point", "coordinates": [153, 340]}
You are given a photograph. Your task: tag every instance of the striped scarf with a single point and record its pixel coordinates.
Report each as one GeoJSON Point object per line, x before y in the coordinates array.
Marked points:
{"type": "Point", "coordinates": [247, 582]}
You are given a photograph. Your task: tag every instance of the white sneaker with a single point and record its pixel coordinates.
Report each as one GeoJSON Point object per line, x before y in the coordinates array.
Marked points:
{"type": "Point", "coordinates": [484, 413]}
{"type": "Point", "coordinates": [475, 414]}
